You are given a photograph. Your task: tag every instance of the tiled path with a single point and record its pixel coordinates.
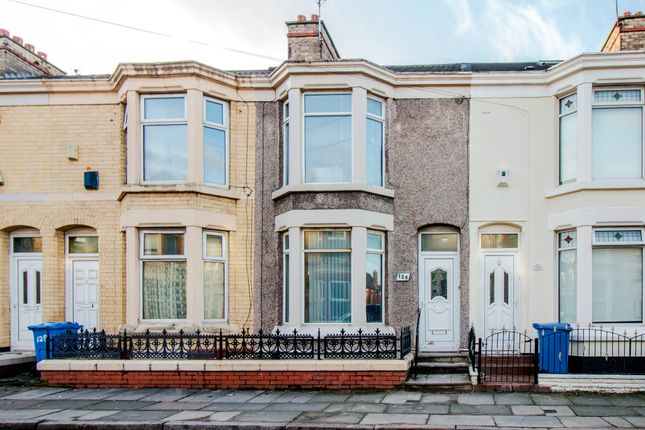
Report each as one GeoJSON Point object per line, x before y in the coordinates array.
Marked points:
{"type": "Point", "coordinates": [174, 409]}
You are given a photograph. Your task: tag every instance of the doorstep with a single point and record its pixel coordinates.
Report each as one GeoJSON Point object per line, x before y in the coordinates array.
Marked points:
{"type": "Point", "coordinates": [592, 383]}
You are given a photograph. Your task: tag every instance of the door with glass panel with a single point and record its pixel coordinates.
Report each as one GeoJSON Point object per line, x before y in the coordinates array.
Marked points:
{"type": "Point", "coordinates": [28, 289]}
{"type": "Point", "coordinates": [498, 292]}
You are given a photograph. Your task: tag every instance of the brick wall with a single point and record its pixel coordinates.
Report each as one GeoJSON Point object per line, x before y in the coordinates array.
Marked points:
{"type": "Point", "coordinates": [329, 380]}
{"type": "Point", "coordinates": [628, 34]}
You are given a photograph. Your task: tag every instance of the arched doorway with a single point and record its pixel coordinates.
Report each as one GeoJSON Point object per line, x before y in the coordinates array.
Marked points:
{"type": "Point", "coordinates": [82, 276]}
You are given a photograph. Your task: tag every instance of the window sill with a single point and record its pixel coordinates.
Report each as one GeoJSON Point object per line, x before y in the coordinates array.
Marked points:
{"type": "Point", "coordinates": [182, 188]}
{"type": "Point", "coordinates": [304, 188]}
{"type": "Point", "coordinates": [608, 184]}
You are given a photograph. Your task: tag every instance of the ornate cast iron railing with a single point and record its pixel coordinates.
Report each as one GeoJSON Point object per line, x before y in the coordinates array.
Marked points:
{"type": "Point", "coordinates": [507, 356]}
{"type": "Point", "coordinates": [275, 345]}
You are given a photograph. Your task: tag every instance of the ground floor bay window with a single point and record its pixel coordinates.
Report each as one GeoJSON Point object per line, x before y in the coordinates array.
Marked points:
{"type": "Point", "coordinates": [612, 263]}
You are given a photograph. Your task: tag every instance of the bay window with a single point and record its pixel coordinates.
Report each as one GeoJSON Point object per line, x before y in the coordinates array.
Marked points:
{"type": "Point", "coordinates": [214, 276]}
{"type": "Point", "coordinates": [567, 276]}
{"type": "Point", "coordinates": [617, 134]}
{"type": "Point", "coordinates": [163, 273]}
{"type": "Point", "coordinates": [328, 138]}
{"type": "Point", "coordinates": [568, 137]}
{"type": "Point", "coordinates": [374, 261]}
{"type": "Point", "coordinates": [374, 142]}
{"type": "Point", "coordinates": [327, 276]}
{"type": "Point", "coordinates": [215, 142]}
{"type": "Point", "coordinates": [617, 276]}
{"type": "Point", "coordinates": [285, 278]}
{"type": "Point", "coordinates": [165, 148]}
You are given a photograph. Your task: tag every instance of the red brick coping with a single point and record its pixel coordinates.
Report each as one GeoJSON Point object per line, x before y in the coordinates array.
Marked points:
{"type": "Point", "coordinates": [255, 374]}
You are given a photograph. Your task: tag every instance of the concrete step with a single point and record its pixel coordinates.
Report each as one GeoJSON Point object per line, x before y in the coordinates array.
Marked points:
{"type": "Point", "coordinates": [435, 367]}
{"type": "Point", "coordinates": [445, 357]}
{"type": "Point", "coordinates": [441, 382]}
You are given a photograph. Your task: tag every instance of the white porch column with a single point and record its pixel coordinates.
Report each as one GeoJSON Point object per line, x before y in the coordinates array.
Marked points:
{"type": "Point", "coordinates": [193, 250]}
{"type": "Point", "coordinates": [296, 124]}
{"type": "Point", "coordinates": [583, 142]}
{"type": "Point", "coordinates": [132, 298]}
{"type": "Point", "coordinates": [359, 249]}
{"type": "Point", "coordinates": [584, 268]}
{"type": "Point", "coordinates": [359, 112]}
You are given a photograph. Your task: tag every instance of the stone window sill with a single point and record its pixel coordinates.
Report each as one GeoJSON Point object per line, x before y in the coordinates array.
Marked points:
{"type": "Point", "coordinates": [305, 188]}
{"type": "Point", "coordinates": [609, 184]}
{"type": "Point", "coordinates": [182, 188]}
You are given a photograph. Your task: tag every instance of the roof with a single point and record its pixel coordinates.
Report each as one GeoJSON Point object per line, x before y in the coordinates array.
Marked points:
{"type": "Point", "coordinates": [473, 67]}
{"type": "Point", "coordinates": [9, 76]}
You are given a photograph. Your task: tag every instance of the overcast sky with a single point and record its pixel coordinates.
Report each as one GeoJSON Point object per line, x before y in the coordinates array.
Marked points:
{"type": "Point", "coordinates": [383, 31]}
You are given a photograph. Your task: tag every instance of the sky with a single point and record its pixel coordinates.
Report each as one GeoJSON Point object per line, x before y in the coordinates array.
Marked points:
{"type": "Point", "coordinates": [383, 31]}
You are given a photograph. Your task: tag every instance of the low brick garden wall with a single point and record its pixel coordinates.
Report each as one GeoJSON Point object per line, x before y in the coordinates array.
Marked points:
{"type": "Point", "coordinates": [248, 374]}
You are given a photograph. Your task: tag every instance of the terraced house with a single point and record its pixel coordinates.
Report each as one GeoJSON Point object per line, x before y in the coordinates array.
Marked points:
{"type": "Point", "coordinates": [326, 194]}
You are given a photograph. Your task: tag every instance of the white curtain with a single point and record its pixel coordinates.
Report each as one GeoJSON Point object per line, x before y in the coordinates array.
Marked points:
{"type": "Point", "coordinates": [164, 290]}
{"type": "Point", "coordinates": [213, 290]}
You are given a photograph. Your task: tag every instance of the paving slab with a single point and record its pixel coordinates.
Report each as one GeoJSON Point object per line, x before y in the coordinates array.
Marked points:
{"type": "Point", "coordinates": [96, 415]}
{"type": "Point", "coordinates": [169, 395]}
{"type": "Point", "coordinates": [556, 411]}
{"type": "Point", "coordinates": [395, 419]}
{"type": "Point", "coordinates": [590, 400]}
{"type": "Point", "coordinates": [550, 399]}
{"type": "Point", "coordinates": [366, 398]}
{"type": "Point", "coordinates": [438, 398]}
{"type": "Point", "coordinates": [602, 410]}
{"type": "Point", "coordinates": [618, 422]}
{"type": "Point", "coordinates": [25, 414]}
{"type": "Point", "coordinates": [100, 425]}
{"type": "Point", "coordinates": [141, 415]}
{"type": "Point", "coordinates": [35, 393]}
{"type": "Point", "coordinates": [118, 405]}
{"type": "Point", "coordinates": [297, 407]}
{"type": "Point", "coordinates": [357, 407]}
{"type": "Point", "coordinates": [188, 416]}
{"type": "Point", "coordinates": [266, 397]}
{"type": "Point", "coordinates": [526, 421]}
{"type": "Point", "coordinates": [94, 393]}
{"type": "Point", "coordinates": [223, 416]}
{"type": "Point", "coordinates": [295, 397]}
{"type": "Point", "coordinates": [419, 408]}
{"type": "Point", "coordinates": [474, 421]}
{"type": "Point", "coordinates": [64, 404]}
{"type": "Point", "coordinates": [584, 422]}
{"type": "Point", "coordinates": [636, 421]}
{"type": "Point", "coordinates": [512, 399]}
{"type": "Point", "coordinates": [204, 395]}
{"type": "Point", "coordinates": [476, 399]}
{"type": "Point", "coordinates": [177, 406]}
{"type": "Point", "coordinates": [329, 397]}
{"type": "Point", "coordinates": [264, 416]}
{"type": "Point", "coordinates": [330, 418]}
{"type": "Point", "coordinates": [402, 397]}
{"type": "Point", "coordinates": [627, 400]}
{"type": "Point", "coordinates": [133, 394]}
{"type": "Point", "coordinates": [527, 410]}
{"type": "Point", "coordinates": [17, 404]}
{"type": "Point", "coordinates": [480, 410]}
{"type": "Point", "coordinates": [64, 415]}
{"type": "Point", "coordinates": [226, 407]}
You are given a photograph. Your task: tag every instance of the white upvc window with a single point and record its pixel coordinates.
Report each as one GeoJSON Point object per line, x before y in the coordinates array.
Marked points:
{"type": "Point", "coordinates": [327, 276]}
{"type": "Point", "coordinates": [499, 241]}
{"type": "Point", "coordinates": [163, 275]}
{"type": "Point", "coordinates": [568, 275]}
{"type": "Point", "coordinates": [285, 277]}
{"type": "Point", "coordinates": [617, 275]}
{"type": "Point", "coordinates": [215, 274]}
{"type": "Point", "coordinates": [327, 138]}
{"type": "Point", "coordinates": [216, 152]}
{"type": "Point", "coordinates": [617, 134]}
{"type": "Point", "coordinates": [165, 138]}
{"type": "Point", "coordinates": [568, 135]}
{"type": "Point", "coordinates": [375, 269]}
{"type": "Point", "coordinates": [374, 141]}
{"type": "Point", "coordinates": [285, 144]}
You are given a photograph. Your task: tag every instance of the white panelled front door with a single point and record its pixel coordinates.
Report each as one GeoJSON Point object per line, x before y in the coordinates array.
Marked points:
{"type": "Point", "coordinates": [439, 325]}
{"type": "Point", "coordinates": [85, 292]}
{"type": "Point", "coordinates": [26, 307]}
{"type": "Point", "coordinates": [499, 283]}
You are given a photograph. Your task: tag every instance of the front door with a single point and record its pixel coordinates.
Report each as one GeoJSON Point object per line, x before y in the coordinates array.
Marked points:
{"type": "Point", "coordinates": [439, 326]}
{"type": "Point", "coordinates": [27, 299]}
{"type": "Point", "coordinates": [499, 283]}
{"type": "Point", "coordinates": [85, 291]}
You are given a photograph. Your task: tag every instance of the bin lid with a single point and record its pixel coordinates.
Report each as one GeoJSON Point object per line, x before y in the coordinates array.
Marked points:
{"type": "Point", "coordinates": [56, 326]}
{"type": "Point", "coordinates": [552, 326]}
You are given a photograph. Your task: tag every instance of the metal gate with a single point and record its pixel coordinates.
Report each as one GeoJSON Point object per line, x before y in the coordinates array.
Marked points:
{"type": "Point", "coordinates": [507, 356]}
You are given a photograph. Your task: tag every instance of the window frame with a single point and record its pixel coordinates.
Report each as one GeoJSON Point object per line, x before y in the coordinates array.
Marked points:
{"type": "Point", "coordinates": [170, 121]}
{"type": "Point", "coordinates": [222, 259]}
{"type": "Point", "coordinates": [439, 232]}
{"type": "Point", "coordinates": [380, 119]}
{"type": "Point", "coordinates": [559, 249]}
{"type": "Point", "coordinates": [304, 116]}
{"type": "Point", "coordinates": [13, 252]}
{"type": "Point", "coordinates": [519, 244]}
{"type": "Point", "coordinates": [286, 113]}
{"type": "Point", "coordinates": [560, 116]}
{"type": "Point", "coordinates": [223, 127]}
{"type": "Point", "coordinates": [382, 253]}
{"type": "Point", "coordinates": [81, 254]}
{"type": "Point", "coordinates": [616, 105]}
{"type": "Point", "coordinates": [304, 251]}
{"type": "Point", "coordinates": [143, 258]}
{"type": "Point", "coordinates": [608, 245]}
{"type": "Point", "coordinates": [286, 280]}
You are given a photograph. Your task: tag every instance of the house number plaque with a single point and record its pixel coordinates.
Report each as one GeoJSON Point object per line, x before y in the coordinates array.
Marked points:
{"type": "Point", "coordinates": [402, 277]}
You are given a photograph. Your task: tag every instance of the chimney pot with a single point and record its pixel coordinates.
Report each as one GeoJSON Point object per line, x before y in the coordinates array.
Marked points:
{"type": "Point", "coordinates": [18, 40]}
{"type": "Point", "coordinates": [302, 18]}
{"type": "Point", "coordinates": [627, 13]}
{"type": "Point", "coordinates": [30, 47]}
{"type": "Point", "coordinates": [4, 33]}
{"type": "Point", "coordinates": [42, 55]}
{"type": "Point", "coordinates": [314, 17]}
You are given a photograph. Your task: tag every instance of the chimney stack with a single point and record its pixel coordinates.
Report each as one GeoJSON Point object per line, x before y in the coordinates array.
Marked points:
{"type": "Point", "coordinates": [305, 42]}
{"type": "Point", "coordinates": [628, 34]}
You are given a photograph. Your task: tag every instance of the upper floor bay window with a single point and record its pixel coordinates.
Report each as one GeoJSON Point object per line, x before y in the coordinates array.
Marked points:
{"type": "Point", "coordinates": [568, 137]}
{"type": "Point", "coordinates": [215, 142]}
{"type": "Point", "coordinates": [328, 138]}
{"type": "Point", "coordinates": [617, 134]}
{"type": "Point", "coordinates": [374, 142]}
{"type": "Point", "coordinates": [165, 137]}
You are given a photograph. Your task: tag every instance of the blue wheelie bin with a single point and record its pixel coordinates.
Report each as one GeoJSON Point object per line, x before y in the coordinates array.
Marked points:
{"type": "Point", "coordinates": [553, 339]}
{"type": "Point", "coordinates": [43, 331]}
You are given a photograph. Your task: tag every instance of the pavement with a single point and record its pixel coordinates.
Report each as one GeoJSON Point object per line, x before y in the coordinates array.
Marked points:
{"type": "Point", "coordinates": [183, 409]}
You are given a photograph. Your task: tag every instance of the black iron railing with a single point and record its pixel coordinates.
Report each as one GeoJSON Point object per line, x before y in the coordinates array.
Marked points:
{"type": "Point", "coordinates": [507, 356]}
{"type": "Point", "coordinates": [472, 349]}
{"type": "Point", "coordinates": [275, 345]}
